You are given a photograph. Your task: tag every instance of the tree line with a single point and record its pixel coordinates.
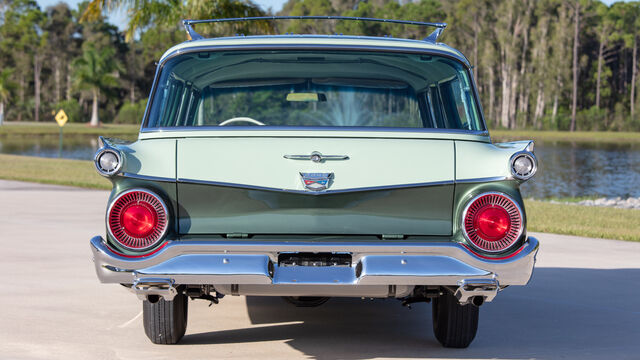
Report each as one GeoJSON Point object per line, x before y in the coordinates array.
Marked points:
{"type": "Point", "coordinates": [550, 64]}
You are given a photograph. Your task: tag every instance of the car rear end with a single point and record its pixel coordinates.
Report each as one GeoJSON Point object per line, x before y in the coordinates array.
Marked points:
{"type": "Point", "coordinates": [308, 170]}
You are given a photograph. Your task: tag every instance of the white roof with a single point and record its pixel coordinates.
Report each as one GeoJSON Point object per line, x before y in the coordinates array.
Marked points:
{"type": "Point", "coordinates": [318, 40]}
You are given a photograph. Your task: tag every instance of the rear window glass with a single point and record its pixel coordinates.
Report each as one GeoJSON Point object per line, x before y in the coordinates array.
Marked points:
{"type": "Point", "coordinates": [313, 89]}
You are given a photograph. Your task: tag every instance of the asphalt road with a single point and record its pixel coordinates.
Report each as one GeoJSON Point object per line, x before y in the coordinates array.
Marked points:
{"type": "Point", "coordinates": [583, 303]}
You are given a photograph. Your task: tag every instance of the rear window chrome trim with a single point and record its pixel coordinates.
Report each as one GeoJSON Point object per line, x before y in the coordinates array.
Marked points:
{"type": "Point", "coordinates": [315, 128]}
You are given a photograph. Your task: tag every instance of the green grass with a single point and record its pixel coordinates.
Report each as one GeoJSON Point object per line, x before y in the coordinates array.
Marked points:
{"type": "Point", "coordinates": [589, 221]}
{"type": "Point", "coordinates": [543, 216]}
{"type": "Point", "coordinates": [51, 128]}
{"type": "Point", "coordinates": [604, 137]}
{"type": "Point", "coordinates": [79, 173]}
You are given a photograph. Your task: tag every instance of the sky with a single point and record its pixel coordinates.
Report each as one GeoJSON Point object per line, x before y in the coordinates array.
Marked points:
{"type": "Point", "coordinates": [120, 19]}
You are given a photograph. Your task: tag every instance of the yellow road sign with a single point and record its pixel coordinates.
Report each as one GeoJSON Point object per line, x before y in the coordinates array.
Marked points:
{"type": "Point", "coordinates": [61, 118]}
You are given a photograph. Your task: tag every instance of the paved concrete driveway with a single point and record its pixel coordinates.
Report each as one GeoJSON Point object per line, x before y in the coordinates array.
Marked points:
{"type": "Point", "coordinates": [583, 303]}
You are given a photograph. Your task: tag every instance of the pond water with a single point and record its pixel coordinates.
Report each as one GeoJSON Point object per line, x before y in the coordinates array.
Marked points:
{"type": "Point", "coordinates": [566, 169]}
{"type": "Point", "coordinates": [577, 169]}
{"type": "Point", "coordinates": [74, 147]}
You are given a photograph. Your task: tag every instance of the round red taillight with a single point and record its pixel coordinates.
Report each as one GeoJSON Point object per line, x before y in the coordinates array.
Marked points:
{"type": "Point", "coordinates": [492, 222]}
{"type": "Point", "coordinates": [137, 219]}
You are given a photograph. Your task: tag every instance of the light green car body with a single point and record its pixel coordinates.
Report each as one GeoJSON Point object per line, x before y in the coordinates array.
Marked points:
{"type": "Point", "coordinates": [411, 184]}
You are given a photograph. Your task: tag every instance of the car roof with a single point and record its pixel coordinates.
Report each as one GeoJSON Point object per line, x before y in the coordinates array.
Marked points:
{"type": "Point", "coordinates": [319, 41]}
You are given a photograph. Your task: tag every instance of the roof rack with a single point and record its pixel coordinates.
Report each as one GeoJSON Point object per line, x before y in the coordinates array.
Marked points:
{"type": "Point", "coordinates": [433, 37]}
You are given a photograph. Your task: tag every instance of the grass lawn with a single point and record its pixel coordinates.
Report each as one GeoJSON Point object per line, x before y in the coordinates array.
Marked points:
{"type": "Point", "coordinates": [610, 223]}
{"type": "Point", "coordinates": [51, 171]}
{"type": "Point", "coordinates": [51, 128]}
{"type": "Point", "coordinates": [590, 221]}
{"type": "Point", "coordinates": [603, 137]}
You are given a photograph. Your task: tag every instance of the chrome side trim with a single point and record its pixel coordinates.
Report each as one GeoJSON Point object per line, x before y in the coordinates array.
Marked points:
{"type": "Point", "coordinates": [147, 177]}
{"type": "Point", "coordinates": [253, 187]}
{"type": "Point", "coordinates": [480, 180]}
{"type": "Point", "coordinates": [304, 192]}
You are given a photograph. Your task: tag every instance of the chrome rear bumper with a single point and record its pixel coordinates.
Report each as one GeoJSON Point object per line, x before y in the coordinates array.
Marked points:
{"type": "Point", "coordinates": [245, 267]}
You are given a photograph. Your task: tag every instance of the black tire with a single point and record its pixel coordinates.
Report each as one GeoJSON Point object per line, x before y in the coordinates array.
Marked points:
{"type": "Point", "coordinates": [454, 325]}
{"type": "Point", "coordinates": [306, 301]}
{"type": "Point", "coordinates": [165, 322]}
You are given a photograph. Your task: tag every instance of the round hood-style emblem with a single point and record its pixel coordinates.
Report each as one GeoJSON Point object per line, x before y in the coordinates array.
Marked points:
{"type": "Point", "coordinates": [316, 157]}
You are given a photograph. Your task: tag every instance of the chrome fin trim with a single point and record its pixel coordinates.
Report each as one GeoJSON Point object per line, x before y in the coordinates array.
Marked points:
{"type": "Point", "coordinates": [485, 179]}
{"type": "Point", "coordinates": [147, 177]}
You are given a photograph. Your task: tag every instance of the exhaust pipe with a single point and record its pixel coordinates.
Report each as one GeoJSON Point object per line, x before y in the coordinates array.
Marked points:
{"type": "Point", "coordinates": [476, 291]}
{"type": "Point", "coordinates": [477, 301]}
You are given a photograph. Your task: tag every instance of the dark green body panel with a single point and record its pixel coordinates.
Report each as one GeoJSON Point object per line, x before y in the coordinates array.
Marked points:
{"type": "Point", "coordinates": [211, 209]}
{"type": "Point", "coordinates": [211, 212]}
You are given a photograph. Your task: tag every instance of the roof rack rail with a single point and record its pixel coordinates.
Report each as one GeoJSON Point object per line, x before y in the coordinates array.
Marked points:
{"type": "Point", "coordinates": [193, 35]}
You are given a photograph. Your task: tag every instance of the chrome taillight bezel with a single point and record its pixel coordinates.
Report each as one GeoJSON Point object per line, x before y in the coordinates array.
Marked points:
{"type": "Point", "coordinates": [511, 238]}
{"type": "Point", "coordinates": [125, 240]}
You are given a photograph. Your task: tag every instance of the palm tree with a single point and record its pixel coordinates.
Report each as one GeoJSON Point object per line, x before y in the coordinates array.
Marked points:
{"type": "Point", "coordinates": [5, 90]}
{"type": "Point", "coordinates": [170, 12]}
{"type": "Point", "coordinates": [95, 71]}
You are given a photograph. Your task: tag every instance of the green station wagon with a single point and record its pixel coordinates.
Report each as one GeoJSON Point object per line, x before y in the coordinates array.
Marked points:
{"type": "Point", "coordinates": [310, 167]}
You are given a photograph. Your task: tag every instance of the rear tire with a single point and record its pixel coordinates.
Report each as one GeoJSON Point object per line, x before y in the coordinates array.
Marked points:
{"type": "Point", "coordinates": [306, 301]}
{"type": "Point", "coordinates": [454, 325]}
{"type": "Point", "coordinates": [165, 322]}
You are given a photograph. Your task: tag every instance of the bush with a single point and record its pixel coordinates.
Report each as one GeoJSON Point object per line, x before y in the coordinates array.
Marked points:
{"type": "Point", "coordinates": [620, 117]}
{"type": "Point", "coordinates": [595, 119]}
{"type": "Point", "coordinates": [561, 121]}
{"type": "Point", "coordinates": [131, 113]}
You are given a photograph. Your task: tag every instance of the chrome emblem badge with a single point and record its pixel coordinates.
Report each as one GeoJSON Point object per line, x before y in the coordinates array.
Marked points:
{"type": "Point", "coordinates": [316, 181]}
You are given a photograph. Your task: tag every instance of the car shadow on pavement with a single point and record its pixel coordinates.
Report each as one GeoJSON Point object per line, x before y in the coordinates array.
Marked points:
{"type": "Point", "coordinates": [562, 313]}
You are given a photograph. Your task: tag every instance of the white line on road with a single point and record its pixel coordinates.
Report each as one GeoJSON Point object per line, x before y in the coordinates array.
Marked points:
{"type": "Point", "coordinates": [130, 321]}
